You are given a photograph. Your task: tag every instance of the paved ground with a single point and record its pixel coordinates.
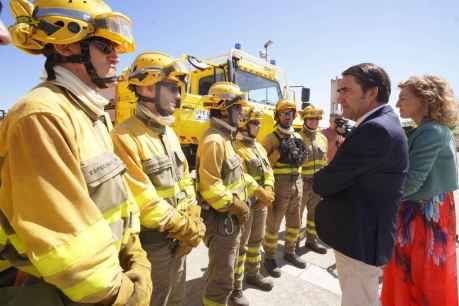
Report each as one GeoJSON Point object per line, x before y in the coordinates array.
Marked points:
{"type": "Point", "coordinates": [314, 286]}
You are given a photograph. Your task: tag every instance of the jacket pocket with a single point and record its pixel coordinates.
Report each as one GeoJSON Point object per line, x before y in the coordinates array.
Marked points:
{"type": "Point", "coordinates": [232, 169]}
{"type": "Point", "coordinates": [103, 175]}
{"type": "Point", "coordinates": [255, 167]}
{"type": "Point", "coordinates": [159, 170]}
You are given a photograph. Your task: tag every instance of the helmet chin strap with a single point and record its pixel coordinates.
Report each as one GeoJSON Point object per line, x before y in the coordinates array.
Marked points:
{"type": "Point", "coordinates": [285, 126]}
{"type": "Point", "coordinates": [86, 60]}
{"type": "Point", "coordinates": [232, 117]}
{"type": "Point", "coordinates": [53, 59]}
{"type": "Point", "coordinates": [161, 111]}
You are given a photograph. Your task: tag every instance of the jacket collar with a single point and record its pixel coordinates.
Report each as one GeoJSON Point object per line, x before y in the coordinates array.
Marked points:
{"type": "Point", "coordinates": [223, 126]}
{"type": "Point", "coordinates": [245, 139]}
{"type": "Point", "coordinates": [379, 111]}
{"type": "Point", "coordinates": [284, 133]}
{"type": "Point", "coordinates": [150, 122]}
{"type": "Point", "coordinates": [386, 109]}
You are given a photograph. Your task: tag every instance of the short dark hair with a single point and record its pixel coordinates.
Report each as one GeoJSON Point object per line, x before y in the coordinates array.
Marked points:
{"type": "Point", "coordinates": [369, 75]}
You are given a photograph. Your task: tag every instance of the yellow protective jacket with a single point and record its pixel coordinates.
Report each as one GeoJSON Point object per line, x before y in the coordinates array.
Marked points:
{"type": "Point", "coordinates": [317, 146]}
{"type": "Point", "coordinates": [271, 144]}
{"type": "Point", "coordinates": [158, 172]}
{"type": "Point", "coordinates": [66, 213]}
{"type": "Point", "coordinates": [220, 170]}
{"type": "Point", "coordinates": [255, 160]}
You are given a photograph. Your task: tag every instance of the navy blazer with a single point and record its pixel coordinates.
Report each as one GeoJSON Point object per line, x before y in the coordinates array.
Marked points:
{"type": "Point", "coordinates": [362, 188]}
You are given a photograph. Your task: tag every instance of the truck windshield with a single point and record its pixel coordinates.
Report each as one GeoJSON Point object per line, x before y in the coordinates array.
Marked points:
{"type": "Point", "coordinates": [259, 89]}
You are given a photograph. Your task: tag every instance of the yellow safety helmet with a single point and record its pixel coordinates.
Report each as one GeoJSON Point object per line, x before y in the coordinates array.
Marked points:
{"type": "Point", "coordinates": [223, 95]}
{"type": "Point", "coordinates": [65, 22]}
{"type": "Point", "coordinates": [283, 105]}
{"type": "Point", "coordinates": [311, 112]}
{"type": "Point", "coordinates": [251, 114]}
{"type": "Point", "coordinates": [150, 68]}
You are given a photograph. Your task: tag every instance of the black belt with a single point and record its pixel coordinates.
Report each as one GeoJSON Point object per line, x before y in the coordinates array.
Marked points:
{"type": "Point", "coordinates": [154, 237]}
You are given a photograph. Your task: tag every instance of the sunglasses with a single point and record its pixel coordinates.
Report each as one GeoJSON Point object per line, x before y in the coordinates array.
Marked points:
{"type": "Point", "coordinates": [287, 113]}
{"type": "Point", "coordinates": [254, 122]}
{"type": "Point", "coordinates": [172, 87]}
{"type": "Point", "coordinates": [103, 45]}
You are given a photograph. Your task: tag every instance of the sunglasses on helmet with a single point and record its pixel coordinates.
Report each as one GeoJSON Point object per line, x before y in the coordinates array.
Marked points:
{"type": "Point", "coordinates": [103, 45]}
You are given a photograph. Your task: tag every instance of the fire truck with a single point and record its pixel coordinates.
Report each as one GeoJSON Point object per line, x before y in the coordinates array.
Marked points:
{"type": "Point", "coordinates": [265, 84]}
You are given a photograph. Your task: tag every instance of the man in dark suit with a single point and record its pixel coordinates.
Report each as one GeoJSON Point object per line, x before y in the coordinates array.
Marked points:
{"type": "Point", "coordinates": [362, 186]}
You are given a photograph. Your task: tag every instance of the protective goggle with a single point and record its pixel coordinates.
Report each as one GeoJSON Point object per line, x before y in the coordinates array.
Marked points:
{"type": "Point", "coordinates": [287, 113]}
{"type": "Point", "coordinates": [103, 45]}
{"type": "Point", "coordinates": [113, 26]}
{"type": "Point", "coordinates": [237, 100]}
{"type": "Point", "coordinates": [117, 28]}
{"type": "Point", "coordinates": [176, 72]}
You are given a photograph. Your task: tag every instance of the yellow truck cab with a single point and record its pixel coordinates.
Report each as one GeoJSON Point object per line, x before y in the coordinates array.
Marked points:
{"type": "Point", "coordinates": [263, 82]}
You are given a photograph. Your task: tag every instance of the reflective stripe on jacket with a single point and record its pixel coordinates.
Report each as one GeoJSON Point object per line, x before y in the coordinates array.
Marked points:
{"type": "Point", "coordinates": [317, 146]}
{"type": "Point", "coordinates": [65, 209]}
{"type": "Point", "coordinates": [256, 161]}
{"type": "Point", "coordinates": [271, 144]}
{"type": "Point", "coordinates": [220, 170]}
{"type": "Point", "coordinates": [158, 171]}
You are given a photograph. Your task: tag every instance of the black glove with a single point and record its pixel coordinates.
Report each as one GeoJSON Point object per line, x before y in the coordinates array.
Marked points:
{"type": "Point", "coordinates": [300, 154]}
{"type": "Point", "coordinates": [284, 146]}
{"type": "Point", "coordinates": [343, 128]}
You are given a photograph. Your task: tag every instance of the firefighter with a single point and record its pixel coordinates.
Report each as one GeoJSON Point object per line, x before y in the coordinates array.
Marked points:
{"type": "Point", "coordinates": [286, 152]}
{"type": "Point", "coordinates": [257, 165]}
{"type": "Point", "coordinates": [224, 188]}
{"type": "Point", "coordinates": [66, 213]}
{"type": "Point", "coordinates": [158, 174]}
{"type": "Point", "coordinates": [316, 144]}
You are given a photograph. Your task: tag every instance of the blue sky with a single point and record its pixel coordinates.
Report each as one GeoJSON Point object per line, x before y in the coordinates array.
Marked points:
{"type": "Point", "coordinates": [313, 40]}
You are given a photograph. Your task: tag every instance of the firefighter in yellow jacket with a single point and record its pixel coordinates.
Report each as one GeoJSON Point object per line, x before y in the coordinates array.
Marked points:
{"type": "Point", "coordinates": [225, 189]}
{"type": "Point", "coordinates": [158, 174]}
{"type": "Point", "coordinates": [67, 216]}
{"type": "Point", "coordinates": [257, 165]}
{"type": "Point", "coordinates": [286, 152]}
{"type": "Point", "coordinates": [316, 144]}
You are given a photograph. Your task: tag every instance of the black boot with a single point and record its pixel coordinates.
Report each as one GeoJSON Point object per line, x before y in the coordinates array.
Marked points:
{"type": "Point", "coordinates": [271, 267]}
{"type": "Point", "coordinates": [237, 298]}
{"type": "Point", "coordinates": [294, 260]}
{"type": "Point", "coordinates": [259, 281]}
{"type": "Point", "coordinates": [312, 245]}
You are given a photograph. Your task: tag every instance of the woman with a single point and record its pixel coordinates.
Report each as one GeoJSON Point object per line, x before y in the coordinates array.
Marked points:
{"type": "Point", "coordinates": [423, 268]}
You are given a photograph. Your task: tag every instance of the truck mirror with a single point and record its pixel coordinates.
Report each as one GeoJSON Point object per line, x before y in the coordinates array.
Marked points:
{"type": "Point", "coordinates": [305, 93]}
{"type": "Point", "coordinates": [196, 63]}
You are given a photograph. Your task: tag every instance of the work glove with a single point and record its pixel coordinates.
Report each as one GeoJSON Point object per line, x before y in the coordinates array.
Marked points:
{"type": "Point", "coordinates": [264, 196]}
{"type": "Point", "coordinates": [187, 228]}
{"type": "Point", "coordinates": [239, 209]}
{"type": "Point", "coordinates": [183, 249]}
{"type": "Point", "coordinates": [143, 287]}
{"type": "Point", "coordinates": [125, 292]}
{"type": "Point", "coordinates": [134, 261]}
{"type": "Point", "coordinates": [270, 191]}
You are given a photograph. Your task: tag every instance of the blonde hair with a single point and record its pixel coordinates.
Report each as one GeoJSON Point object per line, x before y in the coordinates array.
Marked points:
{"type": "Point", "coordinates": [438, 97]}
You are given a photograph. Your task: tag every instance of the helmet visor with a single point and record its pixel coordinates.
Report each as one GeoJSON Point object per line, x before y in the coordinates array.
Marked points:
{"type": "Point", "coordinates": [117, 28]}
{"type": "Point", "coordinates": [177, 72]}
